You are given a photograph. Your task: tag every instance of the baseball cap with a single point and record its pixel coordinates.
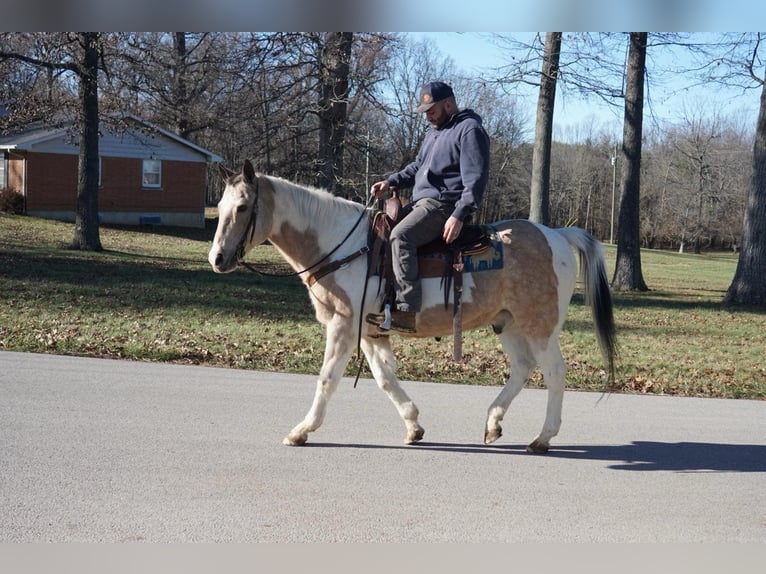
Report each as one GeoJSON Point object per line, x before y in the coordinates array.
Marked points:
{"type": "Point", "coordinates": [431, 93]}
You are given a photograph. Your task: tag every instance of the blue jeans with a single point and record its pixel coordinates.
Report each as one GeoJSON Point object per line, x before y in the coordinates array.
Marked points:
{"type": "Point", "coordinates": [422, 223]}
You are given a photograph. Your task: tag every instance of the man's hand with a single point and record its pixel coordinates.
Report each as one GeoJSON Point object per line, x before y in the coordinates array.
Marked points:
{"type": "Point", "coordinates": [379, 188]}
{"type": "Point", "coordinates": [452, 229]}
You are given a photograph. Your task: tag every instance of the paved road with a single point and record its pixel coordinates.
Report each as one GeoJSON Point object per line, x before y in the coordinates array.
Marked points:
{"type": "Point", "coordinates": [103, 450]}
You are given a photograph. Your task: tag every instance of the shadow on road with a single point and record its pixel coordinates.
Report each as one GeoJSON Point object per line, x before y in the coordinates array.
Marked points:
{"type": "Point", "coordinates": [639, 455]}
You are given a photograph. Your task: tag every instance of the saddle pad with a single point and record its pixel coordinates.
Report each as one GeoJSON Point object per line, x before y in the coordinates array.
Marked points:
{"type": "Point", "coordinates": [489, 258]}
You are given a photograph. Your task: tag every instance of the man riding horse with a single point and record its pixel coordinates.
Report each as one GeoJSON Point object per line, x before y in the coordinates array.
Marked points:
{"type": "Point", "coordinates": [448, 178]}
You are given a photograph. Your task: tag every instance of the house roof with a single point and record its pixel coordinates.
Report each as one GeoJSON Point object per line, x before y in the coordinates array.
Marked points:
{"type": "Point", "coordinates": [34, 133]}
{"type": "Point", "coordinates": [211, 156]}
{"type": "Point", "coordinates": [37, 133]}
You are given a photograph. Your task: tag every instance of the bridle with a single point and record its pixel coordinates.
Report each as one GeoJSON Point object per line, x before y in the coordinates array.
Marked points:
{"type": "Point", "coordinates": [249, 228]}
{"type": "Point", "coordinates": [247, 237]}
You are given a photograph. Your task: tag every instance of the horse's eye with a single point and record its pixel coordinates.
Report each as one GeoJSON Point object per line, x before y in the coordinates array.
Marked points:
{"type": "Point", "coordinates": [241, 208]}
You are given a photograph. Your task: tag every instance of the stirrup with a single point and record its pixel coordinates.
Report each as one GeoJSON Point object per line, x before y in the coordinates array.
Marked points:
{"type": "Point", "coordinates": [380, 320]}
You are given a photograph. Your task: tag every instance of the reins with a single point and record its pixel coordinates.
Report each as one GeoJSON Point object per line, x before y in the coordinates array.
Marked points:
{"type": "Point", "coordinates": [247, 237]}
{"type": "Point", "coordinates": [250, 231]}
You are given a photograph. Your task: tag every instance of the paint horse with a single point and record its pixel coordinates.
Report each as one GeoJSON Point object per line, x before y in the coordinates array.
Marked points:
{"type": "Point", "coordinates": [525, 301]}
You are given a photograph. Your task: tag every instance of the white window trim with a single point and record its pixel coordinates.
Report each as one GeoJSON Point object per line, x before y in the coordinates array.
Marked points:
{"type": "Point", "coordinates": [144, 173]}
{"type": "Point", "coordinates": [4, 171]}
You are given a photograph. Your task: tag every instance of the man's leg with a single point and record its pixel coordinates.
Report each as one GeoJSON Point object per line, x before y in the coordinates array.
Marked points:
{"type": "Point", "coordinates": [420, 226]}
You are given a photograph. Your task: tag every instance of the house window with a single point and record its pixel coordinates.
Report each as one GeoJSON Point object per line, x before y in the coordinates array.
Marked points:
{"type": "Point", "coordinates": [3, 171]}
{"type": "Point", "coordinates": [152, 173]}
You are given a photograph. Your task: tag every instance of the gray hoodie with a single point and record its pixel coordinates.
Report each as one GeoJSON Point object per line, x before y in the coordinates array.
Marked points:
{"type": "Point", "coordinates": [451, 166]}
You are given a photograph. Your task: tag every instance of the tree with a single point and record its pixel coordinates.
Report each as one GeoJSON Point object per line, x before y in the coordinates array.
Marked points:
{"type": "Point", "coordinates": [749, 284]}
{"type": "Point", "coordinates": [411, 66]}
{"type": "Point", "coordinates": [584, 63]}
{"type": "Point", "coordinates": [627, 273]}
{"type": "Point", "coordinates": [80, 54]}
{"type": "Point", "coordinates": [180, 80]}
{"type": "Point", "coordinates": [507, 193]}
{"type": "Point", "coordinates": [541, 155]}
{"type": "Point", "coordinates": [694, 181]}
{"type": "Point", "coordinates": [86, 232]}
{"type": "Point", "coordinates": [334, 69]}
{"type": "Point", "coordinates": [737, 61]}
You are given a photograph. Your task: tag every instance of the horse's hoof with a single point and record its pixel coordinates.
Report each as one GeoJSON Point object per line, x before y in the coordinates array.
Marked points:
{"type": "Point", "coordinates": [493, 435]}
{"type": "Point", "coordinates": [294, 441]}
{"type": "Point", "coordinates": [537, 447]}
{"type": "Point", "coordinates": [414, 436]}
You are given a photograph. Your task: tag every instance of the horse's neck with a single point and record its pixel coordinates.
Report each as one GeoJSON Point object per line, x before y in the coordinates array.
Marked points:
{"type": "Point", "coordinates": [306, 226]}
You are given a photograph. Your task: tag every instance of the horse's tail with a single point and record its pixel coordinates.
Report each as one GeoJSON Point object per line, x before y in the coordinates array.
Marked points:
{"type": "Point", "coordinates": [597, 293]}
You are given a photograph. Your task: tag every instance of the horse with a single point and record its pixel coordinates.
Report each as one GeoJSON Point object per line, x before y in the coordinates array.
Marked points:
{"type": "Point", "coordinates": [525, 302]}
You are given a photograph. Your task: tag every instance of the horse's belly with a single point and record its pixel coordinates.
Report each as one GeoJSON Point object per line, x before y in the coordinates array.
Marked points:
{"type": "Point", "coordinates": [478, 304]}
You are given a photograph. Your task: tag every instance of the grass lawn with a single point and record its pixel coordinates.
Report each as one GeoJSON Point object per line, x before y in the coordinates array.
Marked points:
{"type": "Point", "coordinates": [151, 296]}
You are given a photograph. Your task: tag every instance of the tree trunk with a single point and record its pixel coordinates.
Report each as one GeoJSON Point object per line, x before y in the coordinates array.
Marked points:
{"type": "Point", "coordinates": [333, 106]}
{"type": "Point", "coordinates": [86, 232]}
{"type": "Point", "coordinates": [749, 284]}
{"type": "Point", "coordinates": [541, 155]}
{"type": "Point", "coordinates": [179, 85]}
{"type": "Point", "coordinates": [627, 272]}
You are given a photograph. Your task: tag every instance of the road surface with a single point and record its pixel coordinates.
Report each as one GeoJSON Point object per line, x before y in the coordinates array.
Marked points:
{"type": "Point", "coordinates": [102, 450]}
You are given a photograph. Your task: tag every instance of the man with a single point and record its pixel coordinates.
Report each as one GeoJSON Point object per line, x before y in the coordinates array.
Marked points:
{"type": "Point", "coordinates": [448, 178]}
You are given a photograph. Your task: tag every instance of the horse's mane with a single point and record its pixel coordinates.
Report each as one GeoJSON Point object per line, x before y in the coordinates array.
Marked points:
{"type": "Point", "coordinates": [319, 203]}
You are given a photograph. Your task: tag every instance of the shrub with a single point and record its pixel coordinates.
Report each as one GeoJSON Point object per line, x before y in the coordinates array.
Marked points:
{"type": "Point", "coordinates": [11, 202]}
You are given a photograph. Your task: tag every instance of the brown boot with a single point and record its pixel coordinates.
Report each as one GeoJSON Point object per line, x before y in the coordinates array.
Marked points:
{"type": "Point", "coordinates": [402, 321]}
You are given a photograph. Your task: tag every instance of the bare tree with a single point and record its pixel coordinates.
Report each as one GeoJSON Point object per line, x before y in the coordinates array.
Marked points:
{"type": "Point", "coordinates": [393, 128]}
{"type": "Point", "coordinates": [334, 71]}
{"type": "Point", "coordinates": [586, 64]}
{"type": "Point", "coordinates": [581, 184]}
{"type": "Point", "coordinates": [507, 192]}
{"type": "Point", "coordinates": [737, 61]}
{"type": "Point", "coordinates": [627, 274]}
{"type": "Point", "coordinates": [749, 284]}
{"type": "Point", "coordinates": [541, 155]}
{"type": "Point", "coordinates": [179, 80]}
{"type": "Point", "coordinates": [86, 233]}
{"type": "Point", "coordinates": [411, 65]}
{"type": "Point", "coordinates": [80, 54]}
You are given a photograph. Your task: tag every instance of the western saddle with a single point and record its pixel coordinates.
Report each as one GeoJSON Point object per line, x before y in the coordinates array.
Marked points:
{"type": "Point", "coordinates": [436, 259]}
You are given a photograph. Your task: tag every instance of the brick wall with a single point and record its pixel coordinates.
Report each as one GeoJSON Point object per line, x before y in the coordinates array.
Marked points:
{"type": "Point", "coordinates": [51, 182]}
{"type": "Point", "coordinates": [52, 185]}
{"type": "Point", "coordinates": [182, 189]}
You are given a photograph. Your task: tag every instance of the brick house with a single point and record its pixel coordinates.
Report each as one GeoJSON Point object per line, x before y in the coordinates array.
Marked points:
{"type": "Point", "coordinates": [148, 175]}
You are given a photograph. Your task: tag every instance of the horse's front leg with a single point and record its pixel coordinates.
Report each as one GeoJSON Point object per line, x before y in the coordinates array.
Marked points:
{"type": "Point", "coordinates": [338, 349]}
{"type": "Point", "coordinates": [382, 363]}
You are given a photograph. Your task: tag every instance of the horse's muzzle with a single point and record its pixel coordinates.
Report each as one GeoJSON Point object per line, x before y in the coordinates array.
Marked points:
{"type": "Point", "coordinates": [219, 262]}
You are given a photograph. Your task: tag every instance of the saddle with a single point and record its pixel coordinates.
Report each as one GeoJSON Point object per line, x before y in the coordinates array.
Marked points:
{"type": "Point", "coordinates": [435, 259]}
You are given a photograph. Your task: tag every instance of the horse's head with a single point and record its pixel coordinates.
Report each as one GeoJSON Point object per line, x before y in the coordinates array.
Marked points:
{"type": "Point", "coordinates": [244, 219]}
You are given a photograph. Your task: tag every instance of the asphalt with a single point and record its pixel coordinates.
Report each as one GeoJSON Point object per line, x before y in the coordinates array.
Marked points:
{"type": "Point", "coordinates": [96, 450]}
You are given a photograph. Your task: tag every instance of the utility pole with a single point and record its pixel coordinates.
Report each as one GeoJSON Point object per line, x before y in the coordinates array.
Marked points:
{"type": "Point", "coordinates": [367, 164]}
{"type": "Point", "coordinates": [614, 185]}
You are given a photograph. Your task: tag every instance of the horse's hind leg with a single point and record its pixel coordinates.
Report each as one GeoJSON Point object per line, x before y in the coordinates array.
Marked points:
{"type": "Point", "coordinates": [521, 362]}
{"type": "Point", "coordinates": [338, 349]}
{"type": "Point", "coordinates": [382, 363]}
{"type": "Point", "coordinates": [554, 373]}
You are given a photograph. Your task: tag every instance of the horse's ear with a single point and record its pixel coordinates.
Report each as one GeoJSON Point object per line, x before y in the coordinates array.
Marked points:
{"type": "Point", "coordinates": [225, 173]}
{"type": "Point", "coordinates": [248, 171]}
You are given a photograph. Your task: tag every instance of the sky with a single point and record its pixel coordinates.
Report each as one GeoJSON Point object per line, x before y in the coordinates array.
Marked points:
{"type": "Point", "coordinates": [475, 53]}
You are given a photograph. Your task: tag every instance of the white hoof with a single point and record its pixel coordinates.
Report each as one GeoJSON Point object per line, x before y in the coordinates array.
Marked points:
{"type": "Point", "coordinates": [294, 440]}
